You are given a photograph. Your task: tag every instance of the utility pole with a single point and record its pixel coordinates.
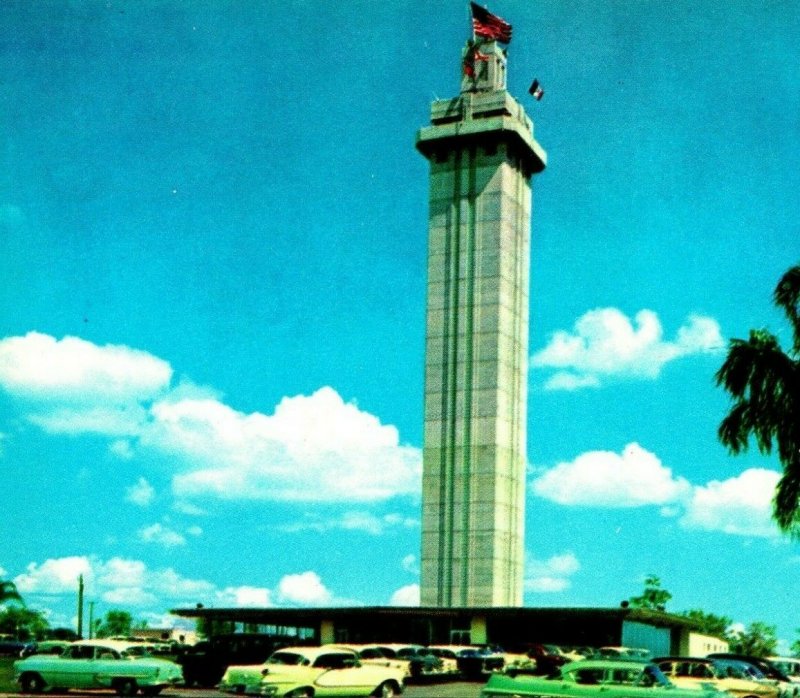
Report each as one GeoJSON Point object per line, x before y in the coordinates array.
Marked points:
{"type": "Point", "coordinates": [91, 619]}
{"type": "Point", "coordinates": [80, 605]}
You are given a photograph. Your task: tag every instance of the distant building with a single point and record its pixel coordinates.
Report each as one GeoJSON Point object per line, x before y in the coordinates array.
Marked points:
{"type": "Point", "coordinates": [698, 645]}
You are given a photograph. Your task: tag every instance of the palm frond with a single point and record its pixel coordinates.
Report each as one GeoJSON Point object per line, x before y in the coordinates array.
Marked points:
{"type": "Point", "coordinates": [787, 498]}
{"type": "Point", "coordinates": [787, 297]}
{"type": "Point", "coordinates": [734, 430]}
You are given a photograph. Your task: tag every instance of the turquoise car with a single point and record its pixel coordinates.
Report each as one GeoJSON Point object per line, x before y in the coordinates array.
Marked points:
{"type": "Point", "coordinates": [594, 679]}
{"type": "Point", "coordinates": [90, 664]}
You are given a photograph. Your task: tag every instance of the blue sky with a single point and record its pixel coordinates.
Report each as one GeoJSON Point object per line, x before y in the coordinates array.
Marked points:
{"type": "Point", "coordinates": [213, 238]}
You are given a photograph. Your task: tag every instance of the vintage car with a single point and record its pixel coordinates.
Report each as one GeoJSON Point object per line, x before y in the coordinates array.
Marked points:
{"type": "Point", "coordinates": [205, 662]}
{"type": "Point", "coordinates": [421, 662]}
{"type": "Point", "coordinates": [321, 672]}
{"type": "Point", "coordinates": [448, 657]}
{"type": "Point", "coordinates": [377, 656]}
{"type": "Point", "coordinates": [88, 664]}
{"type": "Point", "coordinates": [726, 675]}
{"type": "Point", "coordinates": [473, 662]}
{"type": "Point", "coordinates": [594, 678]}
{"type": "Point", "coordinates": [790, 666]}
{"type": "Point", "coordinates": [769, 672]}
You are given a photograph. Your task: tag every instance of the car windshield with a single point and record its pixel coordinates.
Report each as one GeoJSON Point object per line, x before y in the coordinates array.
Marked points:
{"type": "Point", "coordinates": [653, 676]}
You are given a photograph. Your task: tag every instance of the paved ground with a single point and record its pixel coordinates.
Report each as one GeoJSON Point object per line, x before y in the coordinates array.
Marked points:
{"type": "Point", "coordinates": [456, 689]}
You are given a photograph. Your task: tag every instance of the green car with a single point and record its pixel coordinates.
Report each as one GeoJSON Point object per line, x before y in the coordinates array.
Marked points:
{"type": "Point", "coordinates": [594, 679]}
{"type": "Point", "coordinates": [89, 664]}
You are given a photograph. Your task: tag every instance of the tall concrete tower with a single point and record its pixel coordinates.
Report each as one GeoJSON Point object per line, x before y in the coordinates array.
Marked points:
{"type": "Point", "coordinates": [482, 156]}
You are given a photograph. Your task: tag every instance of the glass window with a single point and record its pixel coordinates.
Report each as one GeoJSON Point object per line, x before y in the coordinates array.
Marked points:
{"type": "Point", "coordinates": [334, 661]}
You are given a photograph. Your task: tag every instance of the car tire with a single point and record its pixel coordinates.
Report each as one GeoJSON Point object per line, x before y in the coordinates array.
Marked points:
{"type": "Point", "coordinates": [304, 692]}
{"type": "Point", "coordinates": [32, 683]}
{"type": "Point", "coordinates": [388, 689]}
{"type": "Point", "coordinates": [126, 687]}
{"type": "Point", "coordinates": [152, 690]}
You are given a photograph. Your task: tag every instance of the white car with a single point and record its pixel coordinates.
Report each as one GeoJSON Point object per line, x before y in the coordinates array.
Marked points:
{"type": "Point", "coordinates": [375, 655]}
{"type": "Point", "coordinates": [314, 672]}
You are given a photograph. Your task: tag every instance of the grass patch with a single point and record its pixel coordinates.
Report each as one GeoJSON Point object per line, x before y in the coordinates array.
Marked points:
{"type": "Point", "coordinates": [7, 684]}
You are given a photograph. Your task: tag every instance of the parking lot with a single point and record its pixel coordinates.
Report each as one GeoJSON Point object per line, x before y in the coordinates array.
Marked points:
{"type": "Point", "coordinates": [455, 689]}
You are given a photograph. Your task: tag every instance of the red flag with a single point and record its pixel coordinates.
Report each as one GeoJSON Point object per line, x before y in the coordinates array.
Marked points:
{"type": "Point", "coordinates": [489, 26]}
{"type": "Point", "coordinates": [473, 54]}
{"type": "Point", "coordinates": [536, 90]}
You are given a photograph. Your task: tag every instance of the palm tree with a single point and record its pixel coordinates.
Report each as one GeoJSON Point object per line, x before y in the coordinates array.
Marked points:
{"type": "Point", "coordinates": [764, 382]}
{"type": "Point", "coordinates": [8, 592]}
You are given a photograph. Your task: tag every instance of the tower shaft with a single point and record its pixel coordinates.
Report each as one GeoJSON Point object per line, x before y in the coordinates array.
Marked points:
{"type": "Point", "coordinates": [482, 155]}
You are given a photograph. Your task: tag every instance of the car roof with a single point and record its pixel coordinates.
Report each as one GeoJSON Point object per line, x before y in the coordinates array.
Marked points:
{"type": "Point", "coordinates": [312, 653]}
{"type": "Point", "coordinates": [118, 645]}
{"type": "Point", "coordinates": [115, 644]}
{"type": "Point", "coordinates": [604, 664]}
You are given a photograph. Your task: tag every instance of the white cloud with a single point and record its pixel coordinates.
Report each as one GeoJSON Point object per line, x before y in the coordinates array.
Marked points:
{"type": "Point", "coordinates": [633, 478]}
{"type": "Point", "coordinates": [303, 589]}
{"type": "Point", "coordinates": [141, 494]}
{"type": "Point", "coordinates": [76, 371]}
{"type": "Point", "coordinates": [157, 533]}
{"type": "Point", "coordinates": [55, 576]}
{"type": "Point", "coordinates": [406, 596]}
{"type": "Point", "coordinates": [315, 448]}
{"type": "Point", "coordinates": [130, 583]}
{"type": "Point", "coordinates": [409, 564]}
{"type": "Point", "coordinates": [551, 575]}
{"type": "Point", "coordinates": [362, 521]}
{"type": "Point", "coordinates": [129, 596]}
{"type": "Point", "coordinates": [188, 508]}
{"type": "Point", "coordinates": [604, 343]}
{"type": "Point", "coordinates": [741, 505]}
{"type": "Point", "coordinates": [245, 596]}
{"type": "Point", "coordinates": [118, 580]}
{"type": "Point", "coordinates": [122, 449]}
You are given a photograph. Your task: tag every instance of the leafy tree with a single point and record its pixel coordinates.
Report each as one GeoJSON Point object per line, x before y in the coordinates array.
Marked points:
{"type": "Point", "coordinates": [23, 623]}
{"type": "Point", "coordinates": [758, 640]}
{"type": "Point", "coordinates": [116, 622]}
{"type": "Point", "coordinates": [653, 597]}
{"type": "Point", "coordinates": [796, 645]}
{"type": "Point", "coordinates": [710, 624]}
{"type": "Point", "coordinates": [764, 382]}
{"type": "Point", "coordinates": [8, 592]}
